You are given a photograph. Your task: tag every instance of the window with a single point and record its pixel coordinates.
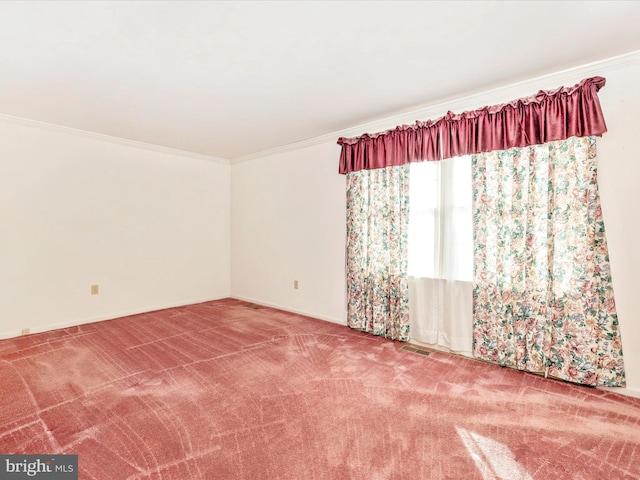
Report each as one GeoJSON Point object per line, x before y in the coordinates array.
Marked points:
{"type": "Point", "coordinates": [440, 223]}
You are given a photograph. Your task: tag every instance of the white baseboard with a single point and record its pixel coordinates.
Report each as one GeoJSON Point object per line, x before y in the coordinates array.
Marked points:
{"type": "Point", "coordinates": [110, 316]}
{"type": "Point", "coordinates": [630, 392]}
{"type": "Point", "coordinates": [289, 309]}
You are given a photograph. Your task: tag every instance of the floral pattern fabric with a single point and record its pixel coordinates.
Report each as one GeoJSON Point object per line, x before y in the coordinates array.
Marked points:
{"type": "Point", "coordinates": [377, 228]}
{"type": "Point", "coordinates": [542, 295]}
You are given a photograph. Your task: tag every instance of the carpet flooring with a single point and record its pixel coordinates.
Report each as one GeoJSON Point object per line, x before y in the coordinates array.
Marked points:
{"type": "Point", "coordinates": [221, 390]}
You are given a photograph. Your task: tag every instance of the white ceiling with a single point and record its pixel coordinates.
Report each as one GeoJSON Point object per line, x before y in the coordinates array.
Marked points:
{"type": "Point", "coordinates": [228, 79]}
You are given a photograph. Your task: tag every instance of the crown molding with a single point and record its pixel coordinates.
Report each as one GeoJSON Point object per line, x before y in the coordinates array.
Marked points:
{"type": "Point", "coordinates": [470, 101]}
{"type": "Point", "coordinates": [110, 139]}
{"type": "Point", "coordinates": [432, 110]}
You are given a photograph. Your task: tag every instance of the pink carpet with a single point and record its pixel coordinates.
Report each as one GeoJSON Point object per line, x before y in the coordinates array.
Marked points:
{"type": "Point", "coordinates": [220, 390]}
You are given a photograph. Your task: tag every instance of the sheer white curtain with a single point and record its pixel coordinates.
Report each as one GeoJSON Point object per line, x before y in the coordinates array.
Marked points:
{"type": "Point", "coordinates": [441, 254]}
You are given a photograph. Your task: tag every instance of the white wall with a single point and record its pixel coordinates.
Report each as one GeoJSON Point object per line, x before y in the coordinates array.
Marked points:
{"type": "Point", "coordinates": [288, 223]}
{"type": "Point", "coordinates": [618, 179]}
{"type": "Point", "coordinates": [150, 226]}
{"type": "Point", "coordinates": [288, 208]}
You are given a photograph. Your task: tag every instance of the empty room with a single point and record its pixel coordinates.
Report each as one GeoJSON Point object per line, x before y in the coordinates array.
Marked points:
{"type": "Point", "coordinates": [319, 240]}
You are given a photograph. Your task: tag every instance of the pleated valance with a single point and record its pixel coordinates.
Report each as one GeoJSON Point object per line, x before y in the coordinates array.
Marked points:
{"type": "Point", "coordinates": [547, 116]}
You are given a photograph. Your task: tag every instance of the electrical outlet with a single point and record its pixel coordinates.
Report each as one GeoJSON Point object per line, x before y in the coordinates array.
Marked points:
{"type": "Point", "coordinates": [95, 289]}
{"type": "Point", "coordinates": [295, 284]}
{"type": "Point", "coordinates": [26, 331]}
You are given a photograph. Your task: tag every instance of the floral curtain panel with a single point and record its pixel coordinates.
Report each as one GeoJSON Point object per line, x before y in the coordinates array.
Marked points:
{"type": "Point", "coordinates": [377, 226]}
{"type": "Point", "coordinates": [542, 296]}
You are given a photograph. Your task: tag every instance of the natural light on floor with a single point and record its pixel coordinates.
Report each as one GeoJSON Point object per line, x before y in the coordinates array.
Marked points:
{"type": "Point", "coordinates": [494, 459]}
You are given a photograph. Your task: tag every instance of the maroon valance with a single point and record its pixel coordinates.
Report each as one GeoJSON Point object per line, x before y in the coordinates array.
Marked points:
{"type": "Point", "coordinates": [547, 116]}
